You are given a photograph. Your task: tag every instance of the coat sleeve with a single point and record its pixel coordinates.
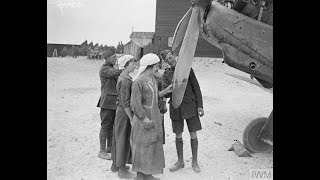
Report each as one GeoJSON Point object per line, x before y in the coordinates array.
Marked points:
{"type": "Point", "coordinates": [125, 91]}
{"type": "Point", "coordinates": [136, 100]}
{"type": "Point", "coordinates": [165, 83]}
{"type": "Point", "coordinates": [109, 72]}
{"type": "Point", "coordinates": [196, 89]}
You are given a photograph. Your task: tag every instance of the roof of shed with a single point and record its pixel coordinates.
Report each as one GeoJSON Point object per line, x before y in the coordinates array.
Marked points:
{"type": "Point", "coordinates": [141, 35]}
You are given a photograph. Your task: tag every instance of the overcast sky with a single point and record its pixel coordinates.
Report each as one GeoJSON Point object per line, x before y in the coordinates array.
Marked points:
{"type": "Point", "coordinates": [105, 22]}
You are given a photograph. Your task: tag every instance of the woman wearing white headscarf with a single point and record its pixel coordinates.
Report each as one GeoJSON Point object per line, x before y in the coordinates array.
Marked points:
{"type": "Point", "coordinates": [121, 150]}
{"type": "Point", "coordinates": [146, 133]}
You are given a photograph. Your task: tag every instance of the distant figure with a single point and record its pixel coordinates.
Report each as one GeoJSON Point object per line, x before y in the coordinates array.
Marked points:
{"type": "Point", "coordinates": [107, 102]}
{"type": "Point", "coordinates": [190, 110]}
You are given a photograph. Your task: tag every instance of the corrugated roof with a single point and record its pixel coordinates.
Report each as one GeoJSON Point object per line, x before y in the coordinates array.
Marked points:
{"type": "Point", "coordinates": [142, 35]}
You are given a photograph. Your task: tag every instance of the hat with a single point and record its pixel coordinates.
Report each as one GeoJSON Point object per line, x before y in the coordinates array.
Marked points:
{"type": "Point", "coordinates": [123, 60]}
{"type": "Point", "coordinates": [109, 53]}
{"type": "Point", "coordinates": [164, 53]}
{"type": "Point", "coordinates": [146, 60]}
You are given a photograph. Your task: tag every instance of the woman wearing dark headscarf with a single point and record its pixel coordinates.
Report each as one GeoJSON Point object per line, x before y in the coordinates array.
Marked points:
{"type": "Point", "coordinates": [146, 134]}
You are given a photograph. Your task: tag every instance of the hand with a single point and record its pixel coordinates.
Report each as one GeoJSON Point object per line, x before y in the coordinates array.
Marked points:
{"type": "Point", "coordinates": [147, 123]}
{"type": "Point", "coordinates": [165, 109]}
{"type": "Point", "coordinates": [147, 120]}
{"type": "Point", "coordinates": [200, 112]}
{"type": "Point", "coordinates": [168, 89]}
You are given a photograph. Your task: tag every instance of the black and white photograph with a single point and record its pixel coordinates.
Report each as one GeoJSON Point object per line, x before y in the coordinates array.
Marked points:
{"type": "Point", "coordinates": [160, 89]}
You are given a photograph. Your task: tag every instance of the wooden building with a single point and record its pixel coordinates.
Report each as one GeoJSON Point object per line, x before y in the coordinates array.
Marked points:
{"type": "Point", "coordinates": [140, 43]}
{"type": "Point", "coordinates": [132, 49]}
{"type": "Point", "coordinates": [168, 15]}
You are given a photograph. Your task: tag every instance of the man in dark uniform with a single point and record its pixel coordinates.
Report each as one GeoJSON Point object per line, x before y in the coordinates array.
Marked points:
{"type": "Point", "coordinates": [107, 102]}
{"type": "Point", "coordinates": [190, 110]}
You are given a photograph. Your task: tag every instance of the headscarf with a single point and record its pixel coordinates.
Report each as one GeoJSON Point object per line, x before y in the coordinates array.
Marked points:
{"type": "Point", "coordinates": [123, 60]}
{"type": "Point", "coordinates": [146, 60]}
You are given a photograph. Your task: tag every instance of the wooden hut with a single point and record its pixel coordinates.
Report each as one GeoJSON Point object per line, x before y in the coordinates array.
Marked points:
{"type": "Point", "coordinates": [141, 43]}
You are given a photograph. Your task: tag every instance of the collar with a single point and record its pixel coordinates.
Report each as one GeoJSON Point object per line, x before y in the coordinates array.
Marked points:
{"type": "Point", "coordinates": [126, 76]}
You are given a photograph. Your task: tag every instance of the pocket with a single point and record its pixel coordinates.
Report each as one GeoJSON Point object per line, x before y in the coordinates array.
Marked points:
{"type": "Point", "coordinates": [150, 135]}
{"type": "Point", "coordinates": [145, 135]}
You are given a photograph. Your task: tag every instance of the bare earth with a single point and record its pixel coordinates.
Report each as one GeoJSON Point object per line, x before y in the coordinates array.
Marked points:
{"type": "Point", "coordinates": [73, 123]}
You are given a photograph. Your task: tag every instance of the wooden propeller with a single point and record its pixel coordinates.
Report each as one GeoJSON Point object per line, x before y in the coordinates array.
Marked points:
{"type": "Point", "coordinates": [186, 54]}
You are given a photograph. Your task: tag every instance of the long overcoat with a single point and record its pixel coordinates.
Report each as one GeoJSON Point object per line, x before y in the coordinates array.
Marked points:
{"type": "Point", "coordinates": [147, 147]}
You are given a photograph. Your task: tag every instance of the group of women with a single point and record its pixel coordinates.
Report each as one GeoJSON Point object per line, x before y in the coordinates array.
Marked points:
{"type": "Point", "coordinates": [138, 134]}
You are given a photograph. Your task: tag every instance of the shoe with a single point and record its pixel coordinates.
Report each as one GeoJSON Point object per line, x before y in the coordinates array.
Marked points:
{"type": "Point", "coordinates": [196, 167]}
{"type": "Point", "coordinates": [104, 155]}
{"type": "Point", "coordinates": [125, 175]}
{"type": "Point", "coordinates": [178, 165]}
{"type": "Point", "coordinates": [116, 169]}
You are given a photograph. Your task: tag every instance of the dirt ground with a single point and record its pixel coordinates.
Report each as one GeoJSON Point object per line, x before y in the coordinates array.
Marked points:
{"type": "Point", "coordinates": [73, 123]}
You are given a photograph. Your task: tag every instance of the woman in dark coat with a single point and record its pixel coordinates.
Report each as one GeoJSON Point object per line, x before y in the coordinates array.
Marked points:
{"type": "Point", "coordinates": [121, 150]}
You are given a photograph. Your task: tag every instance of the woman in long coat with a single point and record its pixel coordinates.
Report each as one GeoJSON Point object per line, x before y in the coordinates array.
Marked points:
{"type": "Point", "coordinates": [121, 150]}
{"type": "Point", "coordinates": [147, 133]}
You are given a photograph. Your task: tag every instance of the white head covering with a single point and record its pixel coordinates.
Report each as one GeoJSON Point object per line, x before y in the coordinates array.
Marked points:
{"type": "Point", "coordinates": [123, 60]}
{"type": "Point", "coordinates": [145, 61]}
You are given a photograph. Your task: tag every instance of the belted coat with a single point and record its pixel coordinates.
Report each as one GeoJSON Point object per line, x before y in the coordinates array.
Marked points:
{"type": "Point", "coordinates": [108, 78]}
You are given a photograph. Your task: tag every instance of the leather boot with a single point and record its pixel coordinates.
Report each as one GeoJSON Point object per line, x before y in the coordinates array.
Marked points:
{"type": "Point", "coordinates": [179, 164]}
{"type": "Point", "coordinates": [109, 140]}
{"type": "Point", "coordinates": [104, 155]}
{"type": "Point", "coordinates": [194, 149]}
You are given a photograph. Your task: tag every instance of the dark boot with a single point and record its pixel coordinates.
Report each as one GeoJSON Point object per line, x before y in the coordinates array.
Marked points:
{"type": "Point", "coordinates": [179, 164]}
{"type": "Point", "coordinates": [102, 138]}
{"type": "Point", "coordinates": [104, 155]}
{"type": "Point", "coordinates": [109, 140]}
{"type": "Point", "coordinates": [194, 149]}
{"type": "Point", "coordinates": [123, 173]}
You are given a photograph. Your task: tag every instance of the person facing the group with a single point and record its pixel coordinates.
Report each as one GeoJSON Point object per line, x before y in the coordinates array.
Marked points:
{"type": "Point", "coordinates": [121, 150]}
{"type": "Point", "coordinates": [107, 102]}
{"type": "Point", "coordinates": [146, 133]}
{"type": "Point", "coordinates": [190, 110]}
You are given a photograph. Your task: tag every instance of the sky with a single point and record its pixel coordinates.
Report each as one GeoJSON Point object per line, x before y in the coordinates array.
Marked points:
{"type": "Point", "coordinates": [106, 22]}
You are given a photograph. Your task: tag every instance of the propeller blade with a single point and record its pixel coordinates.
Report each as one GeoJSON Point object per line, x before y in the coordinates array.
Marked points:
{"type": "Point", "coordinates": [181, 30]}
{"type": "Point", "coordinates": [185, 58]}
